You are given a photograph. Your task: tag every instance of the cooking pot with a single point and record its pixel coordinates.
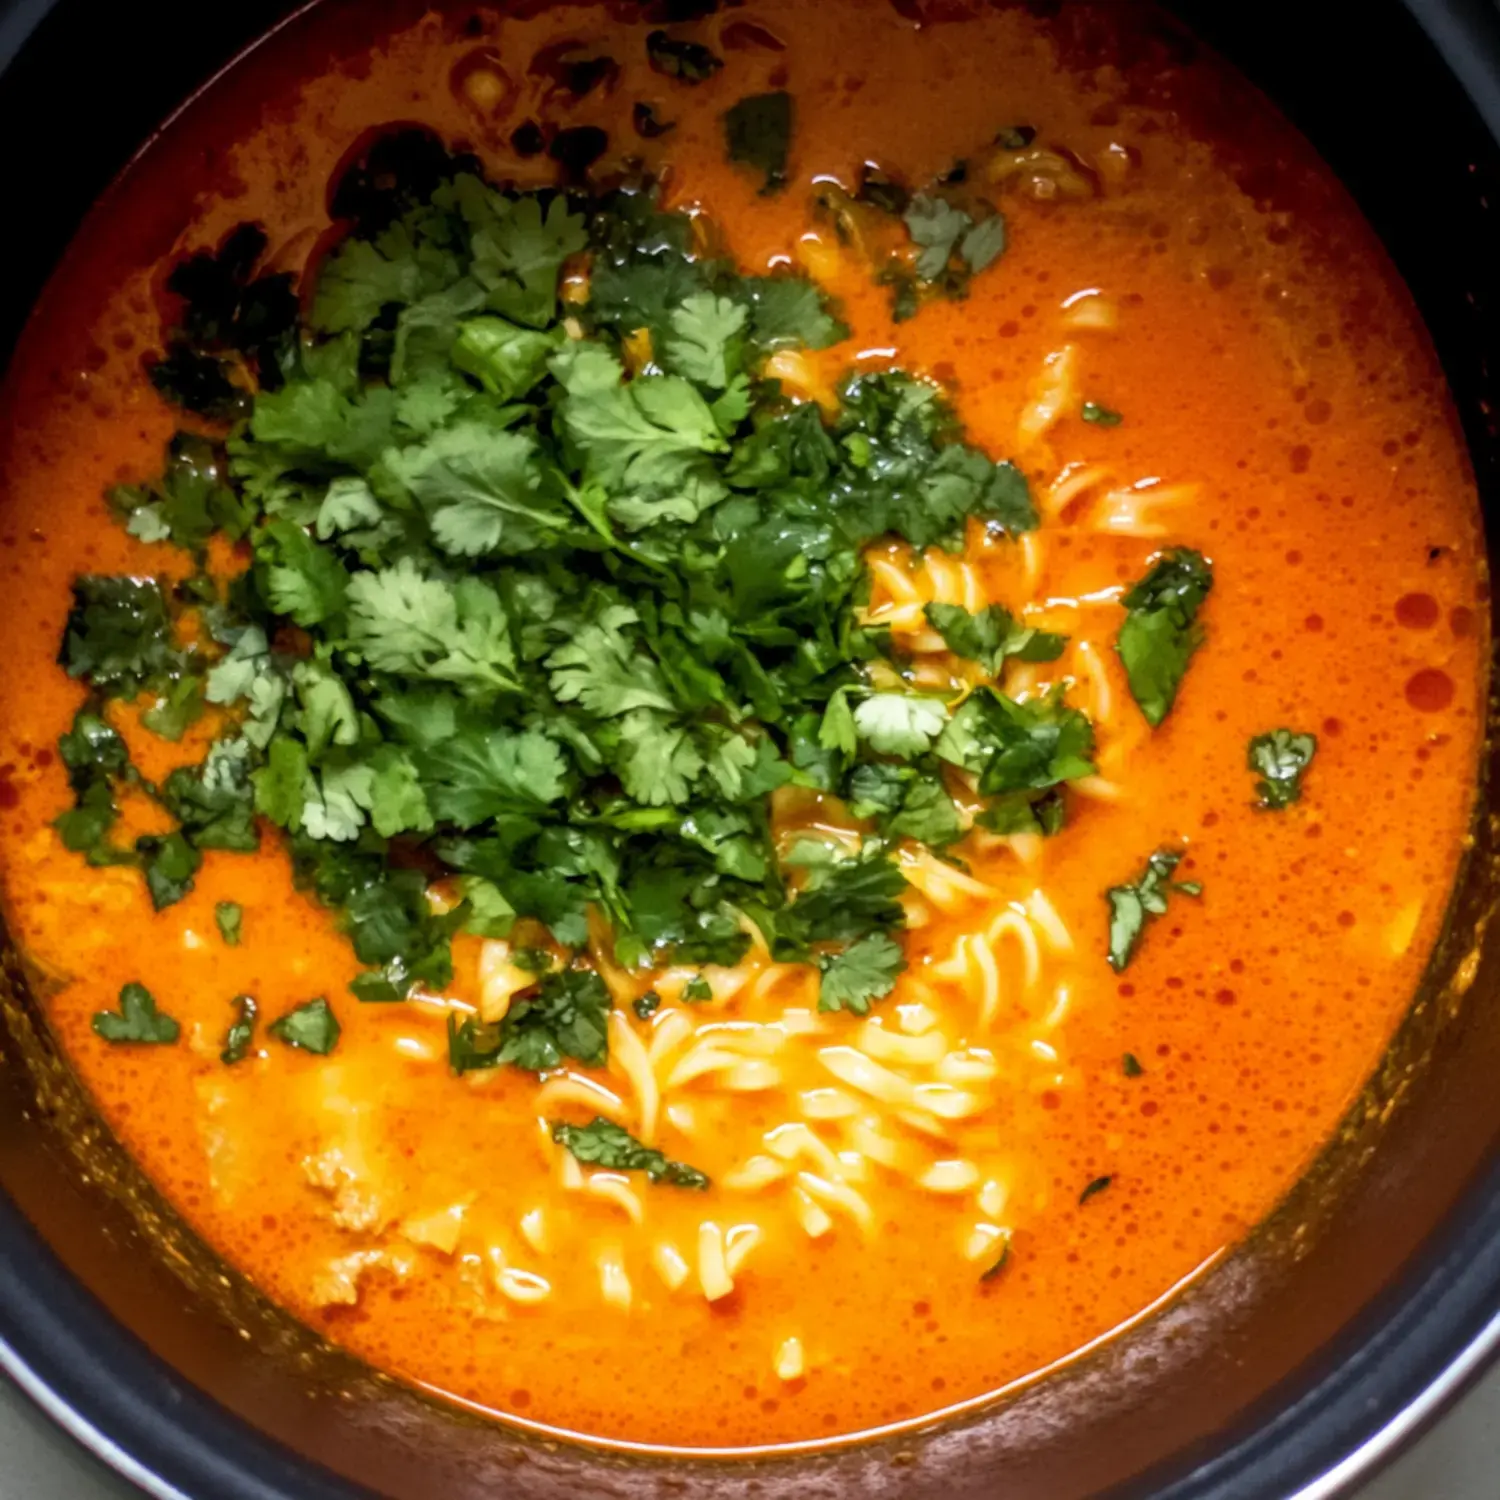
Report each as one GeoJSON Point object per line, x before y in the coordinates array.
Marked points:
{"type": "Point", "coordinates": [1304, 1360]}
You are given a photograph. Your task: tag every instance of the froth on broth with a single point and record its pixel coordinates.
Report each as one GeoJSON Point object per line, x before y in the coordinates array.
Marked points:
{"type": "Point", "coordinates": [1190, 341]}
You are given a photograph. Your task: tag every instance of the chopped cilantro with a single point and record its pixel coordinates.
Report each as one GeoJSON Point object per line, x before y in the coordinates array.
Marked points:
{"type": "Point", "coordinates": [645, 1006]}
{"type": "Point", "coordinates": [241, 1032]}
{"type": "Point", "coordinates": [697, 990]}
{"type": "Point", "coordinates": [137, 1022]}
{"type": "Point", "coordinates": [566, 1017]}
{"type": "Point", "coordinates": [1161, 633]}
{"type": "Point", "coordinates": [1131, 1066]}
{"type": "Point", "coordinates": [118, 638]}
{"type": "Point", "coordinates": [230, 916]}
{"type": "Point", "coordinates": [865, 971]}
{"type": "Point", "coordinates": [692, 62]}
{"type": "Point", "coordinates": [310, 1027]}
{"type": "Point", "coordinates": [1100, 416]}
{"type": "Point", "coordinates": [758, 132]}
{"type": "Point", "coordinates": [602, 1143]}
{"type": "Point", "coordinates": [1097, 1186]}
{"type": "Point", "coordinates": [1134, 905]}
{"type": "Point", "coordinates": [1281, 759]}
{"type": "Point", "coordinates": [546, 613]}
{"type": "Point", "coordinates": [992, 635]}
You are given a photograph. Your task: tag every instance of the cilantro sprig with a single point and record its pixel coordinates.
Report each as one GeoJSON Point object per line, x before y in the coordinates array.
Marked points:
{"type": "Point", "coordinates": [1161, 632]}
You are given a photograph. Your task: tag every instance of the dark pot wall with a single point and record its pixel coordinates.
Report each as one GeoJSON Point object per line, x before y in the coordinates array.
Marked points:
{"type": "Point", "coordinates": [1382, 1270]}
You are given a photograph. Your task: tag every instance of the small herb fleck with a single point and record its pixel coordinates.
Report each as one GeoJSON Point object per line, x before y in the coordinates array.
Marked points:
{"type": "Point", "coordinates": [645, 1006]}
{"type": "Point", "coordinates": [1133, 905]}
{"type": "Point", "coordinates": [1097, 1186]}
{"type": "Point", "coordinates": [312, 1027]}
{"type": "Point", "coordinates": [697, 989]}
{"type": "Point", "coordinates": [692, 62]}
{"type": "Point", "coordinates": [647, 126]}
{"type": "Point", "coordinates": [237, 1042]}
{"type": "Point", "coordinates": [758, 132]}
{"type": "Point", "coordinates": [1132, 1066]}
{"type": "Point", "coordinates": [230, 916]}
{"type": "Point", "coordinates": [1281, 758]}
{"type": "Point", "coordinates": [602, 1143]}
{"type": "Point", "coordinates": [532, 960]}
{"type": "Point", "coordinates": [137, 1022]}
{"type": "Point", "coordinates": [1101, 416]}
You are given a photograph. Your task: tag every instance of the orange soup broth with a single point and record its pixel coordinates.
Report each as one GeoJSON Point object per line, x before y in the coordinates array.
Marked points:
{"type": "Point", "coordinates": [1264, 356]}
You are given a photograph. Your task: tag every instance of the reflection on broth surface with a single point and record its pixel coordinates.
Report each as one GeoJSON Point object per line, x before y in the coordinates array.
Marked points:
{"type": "Point", "coordinates": [873, 711]}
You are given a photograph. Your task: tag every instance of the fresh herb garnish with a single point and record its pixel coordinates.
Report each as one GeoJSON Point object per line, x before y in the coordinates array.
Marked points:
{"type": "Point", "coordinates": [953, 244]}
{"type": "Point", "coordinates": [552, 624]}
{"type": "Point", "coordinates": [230, 916]}
{"type": "Point", "coordinates": [647, 126]}
{"type": "Point", "coordinates": [992, 635]}
{"type": "Point", "coordinates": [242, 1032]}
{"type": "Point", "coordinates": [697, 990]}
{"type": "Point", "coordinates": [1133, 906]}
{"type": "Point", "coordinates": [1161, 633]}
{"type": "Point", "coordinates": [602, 1143]}
{"type": "Point", "coordinates": [645, 1006]}
{"type": "Point", "coordinates": [567, 1016]}
{"type": "Point", "coordinates": [866, 970]}
{"type": "Point", "coordinates": [1100, 416]}
{"type": "Point", "coordinates": [1131, 1066]}
{"type": "Point", "coordinates": [235, 328]}
{"type": "Point", "coordinates": [1097, 1186]}
{"type": "Point", "coordinates": [137, 1022]}
{"type": "Point", "coordinates": [1022, 753]}
{"type": "Point", "coordinates": [758, 133]}
{"type": "Point", "coordinates": [1281, 759]}
{"type": "Point", "coordinates": [311, 1027]}
{"type": "Point", "coordinates": [692, 62]}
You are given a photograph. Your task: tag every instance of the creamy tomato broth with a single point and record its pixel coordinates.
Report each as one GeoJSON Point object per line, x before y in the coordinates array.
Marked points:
{"type": "Point", "coordinates": [1116, 999]}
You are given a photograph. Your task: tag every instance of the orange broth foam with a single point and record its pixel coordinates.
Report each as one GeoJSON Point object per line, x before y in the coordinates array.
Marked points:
{"type": "Point", "coordinates": [1264, 353]}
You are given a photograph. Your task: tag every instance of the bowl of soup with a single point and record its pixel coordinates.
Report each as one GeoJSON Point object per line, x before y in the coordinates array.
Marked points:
{"type": "Point", "coordinates": [744, 748]}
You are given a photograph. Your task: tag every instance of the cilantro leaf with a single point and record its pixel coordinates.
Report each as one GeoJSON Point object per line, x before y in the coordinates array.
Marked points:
{"type": "Point", "coordinates": [309, 1027]}
{"type": "Point", "coordinates": [692, 62]}
{"type": "Point", "coordinates": [1281, 759]}
{"type": "Point", "coordinates": [118, 637]}
{"type": "Point", "coordinates": [602, 1143]}
{"type": "Point", "coordinates": [402, 621]}
{"type": "Point", "coordinates": [1014, 746]}
{"type": "Point", "coordinates": [1100, 416]}
{"type": "Point", "coordinates": [138, 1021]}
{"type": "Point", "coordinates": [482, 490]}
{"type": "Point", "coordinates": [706, 344]}
{"type": "Point", "coordinates": [866, 970]}
{"type": "Point", "coordinates": [170, 862]}
{"type": "Point", "coordinates": [936, 227]}
{"type": "Point", "coordinates": [506, 359]}
{"type": "Point", "coordinates": [1161, 633]}
{"type": "Point", "coordinates": [992, 635]}
{"type": "Point", "coordinates": [1133, 906]}
{"type": "Point", "coordinates": [902, 724]}
{"type": "Point", "coordinates": [758, 134]}
{"type": "Point", "coordinates": [241, 1032]}
{"type": "Point", "coordinates": [230, 917]}
{"type": "Point", "coordinates": [565, 1017]}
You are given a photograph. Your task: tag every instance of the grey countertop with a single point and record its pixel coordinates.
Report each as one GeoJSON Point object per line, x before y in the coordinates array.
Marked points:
{"type": "Point", "coordinates": [1458, 1460]}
